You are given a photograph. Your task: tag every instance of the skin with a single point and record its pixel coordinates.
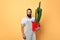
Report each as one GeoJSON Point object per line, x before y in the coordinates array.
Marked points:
{"type": "Point", "coordinates": [22, 30]}
{"type": "Point", "coordinates": [29, 12]}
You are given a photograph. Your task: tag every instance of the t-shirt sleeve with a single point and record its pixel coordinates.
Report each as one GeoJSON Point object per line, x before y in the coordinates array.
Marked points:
{"type": "Point", "coordinates": [33, 19]}
{"type": "Point", "coordinates": [23, 21]}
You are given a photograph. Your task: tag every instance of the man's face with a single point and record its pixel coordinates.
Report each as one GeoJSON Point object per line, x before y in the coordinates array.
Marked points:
{"type": "Point", "coordinates": [29, 12]}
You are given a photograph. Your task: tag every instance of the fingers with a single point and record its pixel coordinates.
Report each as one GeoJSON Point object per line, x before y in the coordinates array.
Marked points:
{"type": "Point", "coordinates": [24, 37]}
{"type": "Point", "coordinates": [38, 25]}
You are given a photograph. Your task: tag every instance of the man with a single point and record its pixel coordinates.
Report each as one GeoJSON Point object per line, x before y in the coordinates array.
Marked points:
{"type": "Point", "coordinates": [26, 22]}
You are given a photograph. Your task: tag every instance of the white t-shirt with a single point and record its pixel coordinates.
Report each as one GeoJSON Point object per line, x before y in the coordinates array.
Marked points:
{"type": "Point", "coordinates": [25, 19]}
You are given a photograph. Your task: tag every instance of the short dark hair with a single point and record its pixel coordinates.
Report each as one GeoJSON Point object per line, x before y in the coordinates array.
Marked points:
{"type": "Point", "coordinates": [29, 9]}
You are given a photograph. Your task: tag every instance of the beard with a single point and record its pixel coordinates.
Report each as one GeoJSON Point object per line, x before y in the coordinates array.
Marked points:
{"type": "Point", "coordinates": [29, 15]}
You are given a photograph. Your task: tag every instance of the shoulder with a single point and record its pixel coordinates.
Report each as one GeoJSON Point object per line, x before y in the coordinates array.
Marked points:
{"type": "Point", "coordinates": [23, 21]}
{"type": "Point", "coordinates": [24, 18]}
{"type": "Point", "coordinates": [33, 18]}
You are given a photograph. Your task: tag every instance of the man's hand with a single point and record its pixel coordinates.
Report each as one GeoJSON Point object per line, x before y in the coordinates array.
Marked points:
{"type": "Point", "coordinates": [24, 37]}
{"type": "Point", "coordinates": [38, 27]}
{"type": "Point", "coordinates": [35, 26]}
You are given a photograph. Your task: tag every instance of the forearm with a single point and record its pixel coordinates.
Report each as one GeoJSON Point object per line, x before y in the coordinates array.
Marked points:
{"type": "Point", "coordinates": [22, 30]}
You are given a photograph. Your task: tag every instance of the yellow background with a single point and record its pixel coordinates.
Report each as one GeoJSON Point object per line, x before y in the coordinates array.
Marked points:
{"type": "Point", "coordinates": [12, 11]}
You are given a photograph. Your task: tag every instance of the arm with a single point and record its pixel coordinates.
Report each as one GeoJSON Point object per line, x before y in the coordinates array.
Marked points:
{"type": "Point", "coordinates": [22, 30]}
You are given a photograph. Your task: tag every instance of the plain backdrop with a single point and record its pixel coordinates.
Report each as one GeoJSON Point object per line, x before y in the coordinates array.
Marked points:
{"type": "Point", "coordinates": [12, 12]}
